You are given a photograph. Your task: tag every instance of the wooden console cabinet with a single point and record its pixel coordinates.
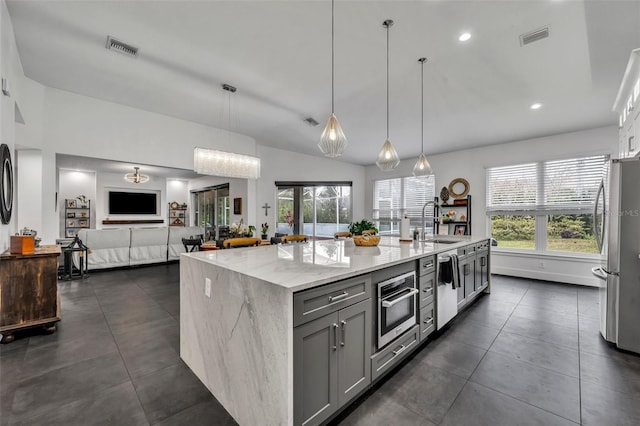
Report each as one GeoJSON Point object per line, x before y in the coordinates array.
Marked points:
{"type": "Point", "coordinates": [29, 291]}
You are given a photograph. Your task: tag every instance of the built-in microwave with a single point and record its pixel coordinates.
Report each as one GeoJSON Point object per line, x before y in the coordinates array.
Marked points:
{"type": "Point", "coordinates": [397, 307]}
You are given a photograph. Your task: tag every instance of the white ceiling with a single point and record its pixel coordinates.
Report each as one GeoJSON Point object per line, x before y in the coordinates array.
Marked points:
{"type": "Point", "coordinates": [278, 55]}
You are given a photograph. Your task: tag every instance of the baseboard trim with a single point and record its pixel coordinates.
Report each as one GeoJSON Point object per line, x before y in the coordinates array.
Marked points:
{"type": "Point", "coordinates": [546, 276]}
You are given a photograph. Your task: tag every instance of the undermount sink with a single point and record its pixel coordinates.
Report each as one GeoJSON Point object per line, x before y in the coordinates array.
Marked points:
{"type": "Point", "coordinates": [439, 241]}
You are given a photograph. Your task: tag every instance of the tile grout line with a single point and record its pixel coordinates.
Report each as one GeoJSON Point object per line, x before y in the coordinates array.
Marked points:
{"type": "Point", "coordinates": [579, 357]}
{"type": "Point", "coordinates": [467, 380]}
{"type": "Point", "coordinates": [511, 396]}
{"type": "Point", "coordinates": [120, 353]}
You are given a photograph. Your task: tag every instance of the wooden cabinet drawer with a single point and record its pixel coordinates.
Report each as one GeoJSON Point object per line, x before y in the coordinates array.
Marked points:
{"type": "Point", "coordinates": [426, 265]}
{"type": "Point", "coordinates": [398, 349]}
{"type": "Point", "coordinates": [318, 302]}
{"type": "Point", "coordinates": [427, 288]}
{"type": "Point", "coordinates": [427, 321]}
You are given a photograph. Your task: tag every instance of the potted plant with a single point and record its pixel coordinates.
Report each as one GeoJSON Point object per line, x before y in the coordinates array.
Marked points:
{"type": "Point", "coordinates": [83, 200]}
{"type": "Point", "coordinates": [364, 233]}
{"type": "Point", "coordinates": [265, 230]}
{"type": "Point", "coordinates": [251, 230]}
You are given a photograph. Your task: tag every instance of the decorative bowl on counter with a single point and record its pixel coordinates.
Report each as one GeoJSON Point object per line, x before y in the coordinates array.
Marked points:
{"type": "Point", "coordinates": [367, 239]}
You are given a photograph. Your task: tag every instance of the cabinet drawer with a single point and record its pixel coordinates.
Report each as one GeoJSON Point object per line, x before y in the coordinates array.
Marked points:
{"type": "Point", "coordinates": [384, 360]}
{"type": "Point", "coordinates": [427, 288]}
{"type": "Point", "coordinates": [466, 251]}
{"type": "Point", "coordinates": [318, 302]}
{"type": "Point", "coordinates": [426, 265]}
{"type": "Point", "coordinates": [427, 321]}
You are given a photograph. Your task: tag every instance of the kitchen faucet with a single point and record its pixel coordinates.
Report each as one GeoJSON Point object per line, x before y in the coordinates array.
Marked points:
{"type": "Point", "coordinates": [432, 203]}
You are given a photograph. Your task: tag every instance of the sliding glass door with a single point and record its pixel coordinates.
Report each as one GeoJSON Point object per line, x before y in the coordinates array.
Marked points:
{"type": "Point", "coordinates": [316, 209]}
{"type": "Point", "coordinates": [211, 209]}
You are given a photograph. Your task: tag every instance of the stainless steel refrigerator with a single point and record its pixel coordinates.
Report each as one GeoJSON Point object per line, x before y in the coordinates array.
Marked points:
{"type": "Point", "coordinates": [617, 230]}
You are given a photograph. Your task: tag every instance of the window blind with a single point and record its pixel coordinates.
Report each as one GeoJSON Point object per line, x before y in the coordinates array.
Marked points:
{"type": "Point", "coordinates": [393, 198]}
{"type": "Point", "coordinates": [549, 187]}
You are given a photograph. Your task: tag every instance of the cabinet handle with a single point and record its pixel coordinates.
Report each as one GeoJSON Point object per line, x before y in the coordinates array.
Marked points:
{"type": "Point", "coordinates": [335, 337]}
{"type": "Point", "coordinates": [429, 321]}
{"type": "Point", "coordinates": [344, 326]}
{"type": "Point", "coordinates": [483, 261]}
{"type": "Point", "coordinates": [631, 147]}
{"type": "Point", "coordinates": [427, 265]}
{"type": "Point", "coordinates": [338, 297]}
{"type": "Point", "coordinates": [428, 290]}
{"type": "Point", "coordinates": [399, 350]}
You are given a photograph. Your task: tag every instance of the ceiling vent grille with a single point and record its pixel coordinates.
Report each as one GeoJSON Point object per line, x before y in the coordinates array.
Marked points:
{"type": "Point", "coordinates": [119, 46]}
{"type": "Point", "coordinates": [311, 121]}
{"type": "Point", "coordinates": [534, 36]}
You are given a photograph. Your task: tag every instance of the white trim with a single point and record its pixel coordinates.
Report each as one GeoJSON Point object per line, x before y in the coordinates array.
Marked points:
{"type": "Point", "coordinates": [546, 276]}
{"type": "Point", "coordinates": [582, 258]}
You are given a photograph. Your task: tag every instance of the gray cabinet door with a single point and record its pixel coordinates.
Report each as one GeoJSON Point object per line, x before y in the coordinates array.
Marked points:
{"type": "Point", "coordinates": [467, 275]}
{"type": "Point", "coordinates": [354, 350]}
{"type": "Point", "coordinates": [315, 370]}
{"type": "Point", "coordinates": [482, 267]}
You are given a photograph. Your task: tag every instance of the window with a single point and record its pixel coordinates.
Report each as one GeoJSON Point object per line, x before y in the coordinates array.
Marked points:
{"type": "Point", "coordinates": [317, 209]}
{"type": "Point", "coordinates": [545, 206]}
{"type": "Point", "coordinates": [394, 198]}
{"type": "Point", "coordinates": [211, 208]}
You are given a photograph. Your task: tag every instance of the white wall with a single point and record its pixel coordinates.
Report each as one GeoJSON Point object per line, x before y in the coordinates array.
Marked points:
{"type": "Point", "coordinates": [28, 202]}
{"type": "Point", "coordinates": [471, 164]}
{"type": "Point", "coordinates": [280, 165]}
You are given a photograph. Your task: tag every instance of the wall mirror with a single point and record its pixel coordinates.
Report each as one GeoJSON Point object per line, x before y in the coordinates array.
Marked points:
{"type": "Point", "coordinates": [6, 184]}
{"type": "Point", "coordinates": [459, 188]}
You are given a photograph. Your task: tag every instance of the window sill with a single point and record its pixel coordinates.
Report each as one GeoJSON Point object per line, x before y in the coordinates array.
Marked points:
{"type": "Point", "coordinates": [574, 257]}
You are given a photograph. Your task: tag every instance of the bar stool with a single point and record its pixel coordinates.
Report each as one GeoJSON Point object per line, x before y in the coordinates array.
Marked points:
{"type": "Point", "coordinates": [294, 239]}
{"type": "Point", "coordinates": [241, 242]}
{"type": "Point", "coordinates": [191, 244]}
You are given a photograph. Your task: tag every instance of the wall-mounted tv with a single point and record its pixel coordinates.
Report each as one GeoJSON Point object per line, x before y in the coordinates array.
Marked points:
{"type": "Point", "coordinates": [133, 202]}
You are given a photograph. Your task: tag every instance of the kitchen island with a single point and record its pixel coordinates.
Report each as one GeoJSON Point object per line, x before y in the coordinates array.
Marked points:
{"type": "Point", "coordinates": [237, 315]}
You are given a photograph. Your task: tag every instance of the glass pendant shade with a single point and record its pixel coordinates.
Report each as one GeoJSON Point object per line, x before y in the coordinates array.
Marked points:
{"type": "Point", "coordinates": [388, 158]}
{"type": "Point", "coordinates": [422, 167]}
{"type": "Point", "coordinates": [333, 142]}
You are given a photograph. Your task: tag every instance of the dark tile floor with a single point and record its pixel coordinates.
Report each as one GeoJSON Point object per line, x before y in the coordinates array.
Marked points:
{"type": "Point", "coordinates": [529, 353]}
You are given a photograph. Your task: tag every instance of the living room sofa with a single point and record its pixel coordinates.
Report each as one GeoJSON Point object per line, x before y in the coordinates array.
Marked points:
{"type": "Point", "coordinates": [114, 248]}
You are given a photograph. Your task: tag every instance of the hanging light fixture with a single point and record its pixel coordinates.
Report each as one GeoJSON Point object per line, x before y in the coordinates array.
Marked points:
{"type": "Point", "coordinates": [333, 142]}
{"type": "Point", "coordinates": [136, 177]}
{"type": "Point", "coordinates": [221, 163]}
{"type": "Point", "coordinates": [388, 158]}
{"type": "Point", "coordinates": [422, 167]}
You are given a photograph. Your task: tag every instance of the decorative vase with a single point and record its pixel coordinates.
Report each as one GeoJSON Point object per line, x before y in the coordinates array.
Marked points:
{"type": "Point", "coordinates": [444, 195]}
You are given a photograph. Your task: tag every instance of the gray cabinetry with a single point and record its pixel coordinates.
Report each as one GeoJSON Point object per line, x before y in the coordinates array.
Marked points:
{"type": "Point", "coordinates": [384, 360]}
{"type": "Point", "coordinates": [315, 370]}
{"type": "Point", "coordinates": [427, 287]}
{"type": "Point", "coordinates": [482, 265]}
{"type": "Point", "coordinates": [332, 353]}
{"type": "Point", "coordinates": [467, 272]}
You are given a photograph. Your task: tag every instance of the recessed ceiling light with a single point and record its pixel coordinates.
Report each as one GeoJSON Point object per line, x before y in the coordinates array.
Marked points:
{"type": "Point", "coordinates": [535, 106]}
{"type": "Point", "coordinates": [464, 37]}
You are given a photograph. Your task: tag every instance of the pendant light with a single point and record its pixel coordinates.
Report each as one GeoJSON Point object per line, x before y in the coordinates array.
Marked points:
{"type": "Point", "coordinates": [388, 158]}
{"type": "Point", "coordinates": [422, 167]}
{"type": "Point", "coordinates": [333, 142]}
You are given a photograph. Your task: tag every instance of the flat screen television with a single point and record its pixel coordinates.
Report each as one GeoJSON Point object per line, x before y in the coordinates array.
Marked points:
{"type": "Point", "coordinates": [133, 202]}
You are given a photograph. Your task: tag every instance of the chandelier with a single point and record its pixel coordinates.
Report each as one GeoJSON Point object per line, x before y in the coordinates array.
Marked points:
{"type": "Point", "coordinates": [136, 177]}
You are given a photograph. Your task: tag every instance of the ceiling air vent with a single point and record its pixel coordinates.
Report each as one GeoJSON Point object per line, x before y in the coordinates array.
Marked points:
{"type": "Point", "coordinates": [534, 36]}
{"type": "Point", "coordinates": [117, 45]}
{"type": "Point", "coordinates": [310, 121]}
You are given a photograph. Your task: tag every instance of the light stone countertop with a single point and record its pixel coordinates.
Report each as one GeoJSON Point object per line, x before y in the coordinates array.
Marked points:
{"type": "Point", "coordinates": [299, 266]}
